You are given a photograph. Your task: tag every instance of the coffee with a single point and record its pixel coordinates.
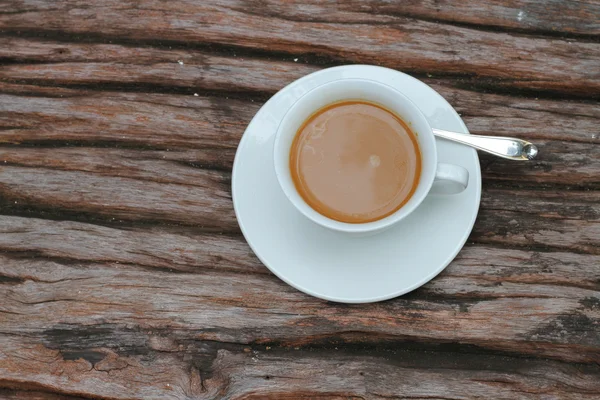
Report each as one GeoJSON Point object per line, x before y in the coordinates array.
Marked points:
{"type": "Point", "coordinates": [355, 162]}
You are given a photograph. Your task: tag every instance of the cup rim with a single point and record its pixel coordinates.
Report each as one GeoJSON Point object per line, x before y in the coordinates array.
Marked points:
{"type": "Point", "coordinates": [321, 219]}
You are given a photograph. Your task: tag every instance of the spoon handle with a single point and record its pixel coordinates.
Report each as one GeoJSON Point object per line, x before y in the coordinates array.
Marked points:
{"type": "Point", "coordinates": [506, 147]}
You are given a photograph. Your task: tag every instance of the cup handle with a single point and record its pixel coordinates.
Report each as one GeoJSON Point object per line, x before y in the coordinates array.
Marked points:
{"type": "Point", "coordinates": [449, 179]}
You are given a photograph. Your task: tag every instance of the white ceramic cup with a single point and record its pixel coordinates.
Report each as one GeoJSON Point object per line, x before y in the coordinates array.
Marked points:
{"type": "Point", "coordinates": [449, 178]}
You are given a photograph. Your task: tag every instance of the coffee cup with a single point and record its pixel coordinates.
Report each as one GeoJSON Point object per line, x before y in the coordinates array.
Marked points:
{"type": "Point", "coordinates": [435, 178]}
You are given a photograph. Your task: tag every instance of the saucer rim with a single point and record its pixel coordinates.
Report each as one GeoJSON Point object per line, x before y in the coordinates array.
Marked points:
{"type": "Point", "coordinates": [386, 296]}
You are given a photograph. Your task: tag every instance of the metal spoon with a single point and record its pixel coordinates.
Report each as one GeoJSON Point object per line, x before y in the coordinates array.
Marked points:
{"type": "Point", "coordinates": [506, 147]}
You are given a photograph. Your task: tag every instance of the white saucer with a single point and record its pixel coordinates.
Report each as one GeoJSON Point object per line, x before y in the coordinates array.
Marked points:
{"type": "Point", "coordinates": [335, 266]}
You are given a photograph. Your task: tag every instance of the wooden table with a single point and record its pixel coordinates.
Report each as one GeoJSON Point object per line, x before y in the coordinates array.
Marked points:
{"type": "Point", "coordinates": [123, 273]}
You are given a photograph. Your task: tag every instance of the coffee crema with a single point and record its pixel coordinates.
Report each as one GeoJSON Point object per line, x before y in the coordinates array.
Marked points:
{"type": "Point", "coordinates": [355, 162]}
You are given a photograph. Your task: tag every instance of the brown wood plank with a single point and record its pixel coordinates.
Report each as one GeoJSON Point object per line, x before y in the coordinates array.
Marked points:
{"type": "Point", "coordinates": [550, 17]}
{"type": "Point", "coordinates": [533, 118]}
{"type": "Point", "coordinates": [162, 371]}
{"type": "Point", "coordinates": [207, 198]}
{"type": "Point", "coordinates": [67, 63]}
{"type": "Point", "coordinates": [201, 71]}
{"type": "Point", "coordinates": [99, 64]}
{"type": "Point", "coordinates": [175, 247]}
{"type": "Point", "coordinates": [205, 130]}
{"type": "Point", "coordinates": [174, 252]}
{"type": "Point", "coordinates": [568, 66]}
{"type": "Point", "coordinates": [553, 18]}
{"type": "Point", "coordinates": [488, 297]}
{"type": "Point", "coordinates": [574, 164]}
{"type": "Point", "coordinates": [156, 247]}
{"type": "Point", "coordinates": [146, 121]}
{"type": "Point", "coordinates": [77, 182]}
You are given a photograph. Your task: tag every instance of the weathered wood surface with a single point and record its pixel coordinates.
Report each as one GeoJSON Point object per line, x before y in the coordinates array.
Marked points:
{"type": "Point", "coordinates": [334, 35]}
{"type": "Point", "coordinates": [123, 273]}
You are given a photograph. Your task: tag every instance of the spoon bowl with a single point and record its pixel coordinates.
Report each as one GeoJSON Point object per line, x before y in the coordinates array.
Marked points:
{"type": "Point", "coordinates": [505, 147]}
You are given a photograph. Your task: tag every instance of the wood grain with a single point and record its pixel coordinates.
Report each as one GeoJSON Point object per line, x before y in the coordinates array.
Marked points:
{"type": "Point", "coordinates": [260, 372]}
{"type": "Point", "coordinates": [554, 18]}
{"type": "Point", "coordinates": [263, 309]}
{"type": "Point", "coordinates": [123, 273]}
{"type": "Point", "coordinates": [568, 142]}
{"type": "Point", "coordinates": [189, 334]}
{"type": "Point", "coordinates": [526, 218]}
{"type": "Point", "coordinates": [568, 67]}
{"type": "Point", "coordinates": [79, 181]}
